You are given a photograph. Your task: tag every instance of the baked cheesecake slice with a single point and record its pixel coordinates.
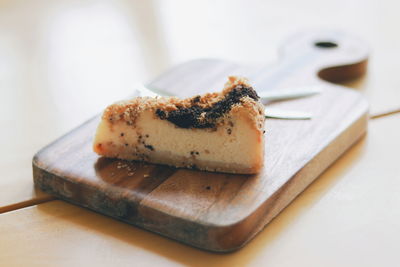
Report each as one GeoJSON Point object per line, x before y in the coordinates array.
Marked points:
{"type": "Point", "coordinates": [220, 132]}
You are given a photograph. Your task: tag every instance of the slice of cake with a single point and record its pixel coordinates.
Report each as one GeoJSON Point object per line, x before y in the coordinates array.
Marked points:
{"type": "Point", "coordinates": [215, 132]}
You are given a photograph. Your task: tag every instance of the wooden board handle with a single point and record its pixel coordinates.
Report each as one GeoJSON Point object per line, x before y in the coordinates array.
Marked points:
{"type": "Point", "coordinates": [313, 55]}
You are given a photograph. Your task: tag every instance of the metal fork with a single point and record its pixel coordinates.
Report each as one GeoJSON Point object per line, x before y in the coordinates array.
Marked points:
{"type": "Point", "coordinates": [276, 113]}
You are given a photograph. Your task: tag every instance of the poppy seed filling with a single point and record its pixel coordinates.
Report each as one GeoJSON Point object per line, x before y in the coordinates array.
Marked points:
{"type": "Point", "coordinates": [200, 117]}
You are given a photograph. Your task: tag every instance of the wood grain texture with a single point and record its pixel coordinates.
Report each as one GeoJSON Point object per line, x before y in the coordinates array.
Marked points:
{"type": "Point", "coordinates": [332, 223]}
{"type": "Point", "coordinates": [215, 211]}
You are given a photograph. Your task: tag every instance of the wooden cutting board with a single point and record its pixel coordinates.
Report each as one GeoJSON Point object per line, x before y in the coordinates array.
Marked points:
{"type": "Point", "coordinates": [216, 211]}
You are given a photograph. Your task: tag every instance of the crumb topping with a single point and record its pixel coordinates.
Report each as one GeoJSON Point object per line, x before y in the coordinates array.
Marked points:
{"type": "Point", "coordinates": [206, 111]}
{"type": "Point", "coordinates": [206, 117]}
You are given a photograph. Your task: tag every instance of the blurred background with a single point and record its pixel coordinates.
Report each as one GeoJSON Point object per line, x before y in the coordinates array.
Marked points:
{"type": "Point", "coordinates": [78, 56]}
{"type": "Point", "coordinates": [61, 62]}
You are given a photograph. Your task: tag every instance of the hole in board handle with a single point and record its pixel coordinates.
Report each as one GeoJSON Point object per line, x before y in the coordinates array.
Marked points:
{"type": "Point", "coordinates": [326, 44]}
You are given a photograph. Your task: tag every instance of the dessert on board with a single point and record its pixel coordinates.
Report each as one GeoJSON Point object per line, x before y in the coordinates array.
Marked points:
{"type": "Point", "coordinates": [220, 132]}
